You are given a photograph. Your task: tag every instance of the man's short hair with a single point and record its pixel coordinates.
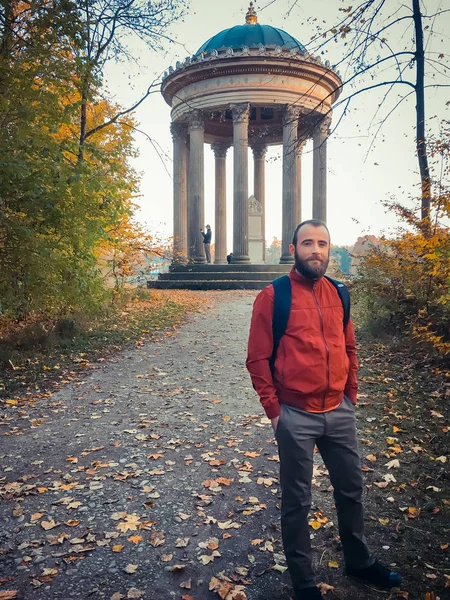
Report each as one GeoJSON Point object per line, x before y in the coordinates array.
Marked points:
{"type": "Point", "coordinates": [313, 222]}
{"type": "Point", "coordinates": [209, 226]}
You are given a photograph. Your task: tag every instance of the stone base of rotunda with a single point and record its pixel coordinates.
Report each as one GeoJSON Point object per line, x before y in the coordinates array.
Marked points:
{"type": "Point", "coordinates": [219, 277]}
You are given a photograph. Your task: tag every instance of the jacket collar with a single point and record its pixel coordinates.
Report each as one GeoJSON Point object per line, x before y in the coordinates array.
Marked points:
{"type": "Point", "coordinates": [296, 276]}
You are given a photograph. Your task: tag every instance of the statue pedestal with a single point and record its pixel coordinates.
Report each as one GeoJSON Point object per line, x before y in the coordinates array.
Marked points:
{"type": "Point", "coordinates": [255, 238]}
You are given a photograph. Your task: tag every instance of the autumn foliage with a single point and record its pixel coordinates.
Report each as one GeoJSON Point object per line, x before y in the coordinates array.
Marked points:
{"type": "Point", "coordinates": [404, 282]}
{"type": "Point", "coordinates": [67, 188]}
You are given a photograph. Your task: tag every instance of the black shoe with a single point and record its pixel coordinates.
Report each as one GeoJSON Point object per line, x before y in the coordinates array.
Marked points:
{"type": "Point", "coordinates": [376, 574]}
{"type": "Point", "coordinates": [309, 593]}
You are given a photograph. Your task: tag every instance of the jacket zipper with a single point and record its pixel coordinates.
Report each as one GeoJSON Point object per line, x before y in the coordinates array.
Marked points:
{"type": "Point", "coordinates": [327, 350]}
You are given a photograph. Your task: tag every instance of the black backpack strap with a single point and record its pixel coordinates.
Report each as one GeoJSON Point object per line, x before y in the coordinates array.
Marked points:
{"type": "Point", "coordinates": [344, 295]}
{"type": "Point", "coordinates": [282, 300]}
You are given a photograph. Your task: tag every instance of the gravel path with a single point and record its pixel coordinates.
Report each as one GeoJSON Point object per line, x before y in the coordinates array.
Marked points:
{"type": "Point", "coordinates": [155, 477]}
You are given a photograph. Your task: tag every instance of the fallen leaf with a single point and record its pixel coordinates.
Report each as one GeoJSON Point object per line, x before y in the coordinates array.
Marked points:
{"type": "Point", "coordinates": [166, 557]}
{"type": "Point", "coordinates": [186, 584]}
{"type": "Point", "coordinates": [176, 568]}
{"type": "Point", "coordinates": [135, 539]}
{"type": "Point", "coordinates": [279, 568]}
{"type": "Point", "coordinates": [333, 564]}
{"type": "Point", "coordinates": [49, 524]}
{"type": "Point", "coordinates": [8, 595]}
{"type": "Point", "coordinates": [157, 539]}
{"type": "Point", "coordinates": [130, 569]}
{"type": "Point", "coordinates": [72, 523]}
{"type": "Point", "coordinates": [135, 593]}
{"type": "Point", "coordinates": [325, 588]}
{"type": "Point", "coordinates": [117, 548]}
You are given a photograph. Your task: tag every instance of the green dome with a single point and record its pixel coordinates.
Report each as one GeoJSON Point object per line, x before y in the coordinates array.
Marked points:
{"type": "Point", "coordinates": [251, 35]}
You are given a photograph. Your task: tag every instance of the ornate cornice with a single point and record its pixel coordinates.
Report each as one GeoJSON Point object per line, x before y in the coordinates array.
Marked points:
{"type": "Point", "coordinates": [221, 67]}
{"type": "Point", "coordinates": [241, 112]}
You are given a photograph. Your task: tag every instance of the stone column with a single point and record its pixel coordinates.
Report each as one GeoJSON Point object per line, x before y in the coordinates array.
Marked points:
{"type": "Point", "coordinates": [180, 238]}
{"type": "Point", "coordinates": [220, 233]}
{"type": "Point", "coordinates": [196, 200]}
{"type": "Point", "coordinates": [241, 113]}
{"type": "Point", "coordinates": [290, 127]}
{"type": "Point", "coordinates": [298, 187]}
{"type": "Point", "coordinates": [320, 135]}
{"type": "Point", "coordinates": [259, 190]}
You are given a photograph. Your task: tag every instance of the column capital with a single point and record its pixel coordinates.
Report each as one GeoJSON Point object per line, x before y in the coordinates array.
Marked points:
{"type": "Point", "coordinates": [196, 120]}
{"type": "Point", "coordinates": [178, 131]}
{"type": "Point", "coordinates": [300, 146]}
{"type": "Point", "coordinates": [220, 149]}
{"type": "Point", "coordinates": [241, 112]}
{"type": "Point", "coordinates": [290, 114]}
{"type": "Point", "coordinates": [259, 151]}
{"type": "Point", "coordinates": [324, 125]}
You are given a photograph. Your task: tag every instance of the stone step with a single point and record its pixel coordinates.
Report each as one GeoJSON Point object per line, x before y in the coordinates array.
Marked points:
{"type": "Point", "coordinates": [199, 284]}
{"type": "Point", "coordinates": [247, 268]}
{"type": "Point", "coordinates": [267, 276]}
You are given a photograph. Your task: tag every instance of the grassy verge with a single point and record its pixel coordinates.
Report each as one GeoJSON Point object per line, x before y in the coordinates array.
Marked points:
{"type": "Point", "coordinates": [43, 353]}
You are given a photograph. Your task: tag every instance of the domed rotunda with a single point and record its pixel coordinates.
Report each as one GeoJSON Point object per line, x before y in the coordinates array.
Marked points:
{"type": "Point", "coordinates": [251, 85]}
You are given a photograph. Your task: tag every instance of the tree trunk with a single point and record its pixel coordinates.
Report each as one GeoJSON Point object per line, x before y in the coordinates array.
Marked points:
{"type": "Point", "coordinates": [6, 35]}
{"type": "Point", "coordinates": [420, 112]}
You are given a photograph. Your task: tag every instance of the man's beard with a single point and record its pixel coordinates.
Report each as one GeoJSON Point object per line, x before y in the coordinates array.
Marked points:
{"type": "Point", "coordinates": [309, 269]}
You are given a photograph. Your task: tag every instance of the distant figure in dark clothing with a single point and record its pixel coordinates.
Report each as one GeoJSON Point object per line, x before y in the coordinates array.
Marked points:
{"type": "Point", "coordinates": [207, 242]}
{"type": "Point", "coordinates": [229, 258]}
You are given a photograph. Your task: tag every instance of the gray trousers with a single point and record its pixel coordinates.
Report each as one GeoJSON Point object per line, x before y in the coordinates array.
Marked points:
{"type": "Point", "coordinates": [208, 252]}
{"type": "Point", "coordinates": [334, 433]}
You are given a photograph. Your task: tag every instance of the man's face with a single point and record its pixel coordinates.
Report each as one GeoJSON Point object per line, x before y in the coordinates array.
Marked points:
{"type": "Point", "coordinates": [312, 252]}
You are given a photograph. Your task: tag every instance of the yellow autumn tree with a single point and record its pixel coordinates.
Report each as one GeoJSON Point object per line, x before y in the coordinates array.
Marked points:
{"type": "Point", "coordinates": [403, 284]}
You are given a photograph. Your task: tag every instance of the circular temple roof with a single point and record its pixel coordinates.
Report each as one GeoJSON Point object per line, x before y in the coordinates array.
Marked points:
{"type": "Point", "coordinates": [251, 35]}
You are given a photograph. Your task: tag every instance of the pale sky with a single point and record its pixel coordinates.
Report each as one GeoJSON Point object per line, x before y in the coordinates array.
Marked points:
{"type": "Point", "coordinates": [357, 183]}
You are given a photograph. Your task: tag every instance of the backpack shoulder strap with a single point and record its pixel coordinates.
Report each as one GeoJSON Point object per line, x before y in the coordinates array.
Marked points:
{"type": "Point", "coordinates": [344, 295]}
{"type": "Point", "coordinates": [282, 300]}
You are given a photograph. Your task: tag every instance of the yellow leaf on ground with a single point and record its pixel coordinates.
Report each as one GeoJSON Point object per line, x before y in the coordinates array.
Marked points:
{"type": "Point", "coordinates": [117, 548]}
{"type": "Point", "coordinates": [135, 539]}
{"type": "Point", "coordinates": [333, 564]}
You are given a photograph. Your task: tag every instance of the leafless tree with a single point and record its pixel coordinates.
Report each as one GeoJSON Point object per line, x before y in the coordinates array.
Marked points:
{"type": "Point", "coordinates": [380, 37]}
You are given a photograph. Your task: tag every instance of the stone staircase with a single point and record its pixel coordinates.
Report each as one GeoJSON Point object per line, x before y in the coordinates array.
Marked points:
{"type": "Point", "coordinates": [218, 277]}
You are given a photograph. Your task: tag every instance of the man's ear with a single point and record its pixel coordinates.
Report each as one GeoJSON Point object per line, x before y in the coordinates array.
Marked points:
{"type": "Point", "coordinates": [292, 249]}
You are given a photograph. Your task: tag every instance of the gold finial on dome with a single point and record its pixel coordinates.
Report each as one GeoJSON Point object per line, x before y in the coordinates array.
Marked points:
{"type": "Point", "coordinates": [250, 17]}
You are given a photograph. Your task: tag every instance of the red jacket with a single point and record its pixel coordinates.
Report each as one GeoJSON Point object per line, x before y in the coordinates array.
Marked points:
{"type": "Point", "coordinates": [316, 362]}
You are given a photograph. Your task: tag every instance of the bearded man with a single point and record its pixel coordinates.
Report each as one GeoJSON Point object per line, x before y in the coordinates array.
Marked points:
{"type": "Point", "coordinates": [310, 393]}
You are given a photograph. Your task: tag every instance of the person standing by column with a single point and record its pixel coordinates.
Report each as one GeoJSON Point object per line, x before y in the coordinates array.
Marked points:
{"type": "Point", "coordinates": [207, 242]}
{"type": "Point", "coordinates": [310, 395]}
